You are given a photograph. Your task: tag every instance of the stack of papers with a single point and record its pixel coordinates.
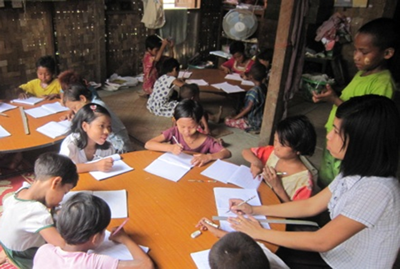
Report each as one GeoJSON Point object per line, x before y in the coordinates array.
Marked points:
{"type": "Point", "coordinates": [119, 167]}
{"type": "Point", "coordinates": [228, 88]}
{"type": "Point", "coordinates": [221, 53]}
{"type": "Point", "coordinates": [116, 200]}
{"type": "Point", "coordinates": [200, 82]}
{"type": "Point", "coordinates": [236, 76]}
{"type": "Point", "coordinates": [184, 74]}
{"type": "Point", "coordinates": [231, 173]}
{"type": "Point", "coordinates": [5, 107]}
{"type": "Point", "coordinates": [3, 132]}
{"type": "Point", "coordinates": [28, 101]}
{"type": "Point", "coordinates": [54, 129]}
{"type": "Point", "coordinates": [46, 110]}
{"type": "Point", "coordinates": [170, 166]}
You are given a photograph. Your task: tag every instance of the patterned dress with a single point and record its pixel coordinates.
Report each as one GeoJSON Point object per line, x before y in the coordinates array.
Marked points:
{"type": "Point", "coordinates": [159, 101]}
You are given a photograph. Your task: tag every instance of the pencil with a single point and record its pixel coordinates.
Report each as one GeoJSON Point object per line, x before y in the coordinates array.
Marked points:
{"type": "Point", "coordinates": [242, 203]}
{"type": "Point", "coordinates": [120, 226]}
{"type": "Point", "coordinates": [4, 115]}
{"type": "Point", "coordinates": [176, 141]}
{"type": "Point", "coordinates": [159, 37]}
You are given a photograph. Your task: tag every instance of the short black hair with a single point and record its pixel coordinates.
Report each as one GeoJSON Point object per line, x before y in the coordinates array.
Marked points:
{"type": "Point", "coordinates": [168, 65]}
{"type": "Point", "coordinates": [189, 91]}
{"type": "Point", "coordinates": [82, 216]}
{"type": "Point", "coordinates": [87, 113]}
{"type": "Point", "coordinates": [153, 41]}
{"type": "Point", "coordinates": [188, 108]}
{"type": "Point", "coordinates": [47, 62]}
{"type": "Point", "coordinates": [237, 46]}
{"type": "Point", "coordinates": [258, 72]}
{"type": "Point", "coordinates": [298, 133]}
{"type": "Point", "coordinates": [51, 164]}
{"type": "Point", "coordinates": [384, 32]}
{"type": "Point", "coordinates": [74, 91]}
{"type": "Point", "coordinates": [237, 250]}
{"type": "Point", "coordinates": [266, 55]}
{"type": "Point", "coordinates": [370, 126]}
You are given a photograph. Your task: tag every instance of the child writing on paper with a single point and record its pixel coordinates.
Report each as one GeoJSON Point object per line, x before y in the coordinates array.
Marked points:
{"type": "Point", "coordinates": [87, 142]}
{"type": "Point", "coordinates": [160, 103]}
{"type": "Point", "coordinates": [375, 45]}
{"type": "Point", "coordinates": [239, 63]}
{"type": "Point", "coordinates": [294, 138]}
{"type": "Point", "coordinates": [250, 117]}
{"type": "Point", "coordinates": [154, 51]}
{"type": "Point", "coordinates": [46, 84]}
{"type": "Point", "coordinates": [363, 200]}
{"type": "Point", "coordinates": [82, 222]}
{"type": "Point", "coordinates": [27, 223]}
{"type": "Point", "coordinates": [185, 137]}
{"type": "Point", "coordinates": [75, 96]}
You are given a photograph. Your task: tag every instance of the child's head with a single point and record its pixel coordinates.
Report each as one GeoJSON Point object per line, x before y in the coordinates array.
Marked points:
{"type": "Point", "coordinates": [68, 78]}
{"type": "Point", "coordinates": [190, 91]}
{"type": "Point", "coordinates": [265, 57]}
{"type": "Point", "coordinates": [153, 44]}
{"type": "Point", "coordinates": [76, 96]}
{"type": "Point", "coordinates": [366, 136]}
{"type": "Point", "coordinates": [93, 124]}
{"type": "Point", "coordinates": [257, 72]}
{"type": "Point", "coordinates": [237, 250]}
{"type": "Point", "coordinates": [46, 68]}
{"type": "Point", "coordinates": [83, 218]}
{"type": "Point", "coordinates": [170, 66]}
{"type": "Point", "coordinates": [187, 115]}
{"type": "Point", "coordinates": [237, 50]}
{"type": "Point", "coordinates": [375, 43]}
{"type": "Point", "coordinates": [60, 174]}
{"type": "Point", "coordinates": [295, 135]}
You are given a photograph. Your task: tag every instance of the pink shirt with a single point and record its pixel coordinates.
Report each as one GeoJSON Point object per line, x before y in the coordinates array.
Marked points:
{"type": "Point", "coordinates": [49, 256]}
{"type": "Point", "coordinates": [232, 65]}
{"type": "Point", "coordinates": [150, 74]}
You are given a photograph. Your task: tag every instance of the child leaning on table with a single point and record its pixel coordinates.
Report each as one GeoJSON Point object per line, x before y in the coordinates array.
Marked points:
{"type": "Point", "coordinates": [27, 223]}
{"type": "Point", "coordinates": [294, 137]}
{"type": "Point", "coordinates": [87, 142]}
{"type": "Point", "coordinates": [82, 222]}
{"type": "Point", "coordinates": [46, 84]}
{"type": "Point", "coordinates": [185, 136]}
{"type": "Point", "coordinates": [239, 63]}
{"type": "Point", "coordinates": [250, 117]}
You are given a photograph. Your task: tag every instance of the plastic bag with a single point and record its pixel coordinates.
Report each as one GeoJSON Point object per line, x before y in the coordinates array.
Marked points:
{"type": "Point", "coordinates": [115, 82]}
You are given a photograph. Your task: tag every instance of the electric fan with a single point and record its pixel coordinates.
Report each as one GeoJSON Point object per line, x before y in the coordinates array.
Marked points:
{"type": "Point", "coordinates": [239, 24]}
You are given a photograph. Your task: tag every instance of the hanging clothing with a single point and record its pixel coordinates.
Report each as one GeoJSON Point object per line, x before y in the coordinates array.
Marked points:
{"type": "Point", "coordinates": [153, 14]}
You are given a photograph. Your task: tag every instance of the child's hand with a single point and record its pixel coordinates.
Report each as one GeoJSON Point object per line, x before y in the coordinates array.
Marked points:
{"type": "Point", "coordinates": [164, 42]}
{"type": "Point", "coordinates": [271, 178]}
{"type": "Point", "coordinates": [176, 149]}
{"type": "Point", "coordinates": [69, 116]}
{"type": "Point", "coordinates": [255, 170]}
{"type": "Point", "coordinates": [204, 226]}
{"type": "Point", "coordinates": [327, 95]}
{"type": "Point", "coordinates": [226, 70]}
{"type": "Point", "coordinates": [242, 209]}
{"type": "Point", "coordinates": [200, 159]}
{"type": "Point", "coordinates": [120, 236]}
{"type": "Point", "coordinates": [23, 95]}
{"type": "Point", "coordinates": [105, 164]}
{"type": "Point", "coordinates": [171, 43]}
{"type": "Point", "coordinates": [51, 96]}
{"type": "Point", "coordinates": [249, 226]}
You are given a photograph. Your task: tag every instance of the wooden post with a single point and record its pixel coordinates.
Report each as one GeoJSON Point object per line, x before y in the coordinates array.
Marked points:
{"type": "Point", "coordinates": [99, 42]}
{"type": "Point", "coordinates": [273, 109]}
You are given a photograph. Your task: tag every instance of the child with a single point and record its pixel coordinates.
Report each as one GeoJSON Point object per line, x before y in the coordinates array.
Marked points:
{"type": "Point", "coordinates": [70, 77]}
{"type": "Point", "coordinates": [237, 250]}
{"type": "Point", "coordinates": [239, 63]}
{"type": "Point", "coordinates": [184, 136]}
{"type": "Point", "coordinates": [375, 45]}
{"type": "Point", "coordinates": [159, 102]}
{"type": "Point", "coordinates": [265, 58]}
{"type": "Point", "coordinates": [250, 117]}
{"type": "Point", "coordinates": [45, 85]}
{"type": "Point", "coordinates": [26, 223]}
{"type": "Point", "coordinates": [154, 50]}
{"type": "Point", "coordinates": [294, 137]}
{"type": "Point", "coordinates": [90, 129]}
{"type": "Point", "coordinates": [363, 200]}
{"type": "Point", "coordinates": [77, 95]}
{"type": "Point", "coordinates": [82, 222]}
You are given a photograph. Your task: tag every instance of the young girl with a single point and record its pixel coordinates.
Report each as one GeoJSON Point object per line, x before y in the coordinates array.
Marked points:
{"type": "Point", "coordinates": [363, 200]}
{"type": "Point", "coordinates": [285, 169]}
{"type": "Point", "coordinates": [45, 85]}
{"type": "Point", "coordinates": [159, 102]}
{"type": "Point", "coordinates": [239, 63]}
{"type": "Point", "coordinates": [154, 51]}
{"type": "Point", "coordinates": [88, 139]}
{"type": "Point", "coordinates": [375, 44]}
{"type": "Point", "coordinates": [75, 96]}
{"type": "Point", "coordinates": [184, 136]}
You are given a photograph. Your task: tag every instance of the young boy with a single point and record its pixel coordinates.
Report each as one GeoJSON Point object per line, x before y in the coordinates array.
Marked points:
{"type": "Point", "coordinates": [82, 222]}
{"type": "Point", "coordinates": [27, 223]}
{"type": "Point", "coordinates": [250, 117]}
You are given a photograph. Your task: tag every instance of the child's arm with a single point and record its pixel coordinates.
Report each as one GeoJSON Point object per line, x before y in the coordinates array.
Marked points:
{"type": "Point", "coordinates": [157, 143]}
{"type": "Point", "coordinates": [204, 226]}
{"type": "Point", "coordinates": [245, 111]}
{"type": "Point", "coordinates": [178, 82]}
{"type": "Point", "coordinates": [160, 52]}
{"type": "Point", "coordinates": [275, 182]}
{"type": "Point", "coordinates": [205, 125]}
{"type": "Point", "coordinates": [21, 94]}
{"type": "Point", "coordinates": [256, 165]}
{"type": "Point", "coordinates": [328, 95]}
{"type": "Point", "coordinates": [52, 236]}
{"type": "Point", "coordinates": [141, 260]}
{"type": "Point", "coordinates": [171, 49]}
{"type": "Point", "coordinates": [225, 69]}
{"type": "Point", "coordinates": [201, 159]}
{"type": "Point", "coordinates": [103, 165]}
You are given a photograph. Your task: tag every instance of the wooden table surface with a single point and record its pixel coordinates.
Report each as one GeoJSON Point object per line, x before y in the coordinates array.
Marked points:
{"type": "Point", "coordinates": [163, 214]}
{"type": "Point", "coordinates": [18, 140]}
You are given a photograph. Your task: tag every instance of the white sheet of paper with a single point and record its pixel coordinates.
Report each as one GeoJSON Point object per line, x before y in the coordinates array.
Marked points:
{"type": "Point", "coordinates": [55, 107]}
{"type": "Point", "coordinates": [184, 74]}
{"type": "Point", "coordinates": [55, 129]}
{"type": "Point", "coordinates": [234, 76]}
{"type": "Point", "coordinates": [45, 110]}
{"type": "Point", "coordinates": [242, 177]}
{"type": "Point", "coordinates": [247, 83]}
{"type": "Point", "coordinates": [220, 170]}
{"type": "Point", "coordinates": [232, 88]}
{"type": "Point", "coordinates": [3, 132]}
{"type": "Point", "coordinates": [119, 167]}
{"type": "Point", "coordinates": [182, 159]}
{"type": "Point", "coordinates": [200, 82]}
{"type": "Point", "coordinates": [200, 258]}
{"type": "Point", "coordinates": [115, 250]}
{"type": "Point", "coordinates": [28, 101]}
{"type": "Point", "coordinates": [166, 170]}
{"type": "Point", "coordinates": [220, 85]}
{"type": "Point", "coordinates": [5, 107]}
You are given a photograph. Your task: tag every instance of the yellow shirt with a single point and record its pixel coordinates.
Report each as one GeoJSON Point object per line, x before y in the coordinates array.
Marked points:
{"type": "Point", "coordinates": [33, 87]}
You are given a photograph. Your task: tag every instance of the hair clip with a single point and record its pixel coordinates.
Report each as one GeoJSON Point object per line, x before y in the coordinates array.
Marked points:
{"type": "Point", "coordinates": [93, 107]}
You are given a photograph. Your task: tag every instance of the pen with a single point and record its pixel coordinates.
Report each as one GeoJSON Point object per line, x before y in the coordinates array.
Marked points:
{"type": "Point", "coordinates": [159, 37]}
{"type": "Point", "coordinates": [176, 141]}
{"type": "Point", "coordinates": [120, 226]}
{"type": "Point", "coordinates": [4, 115]}
{"type": "Point", "coordinates": [242, 203]}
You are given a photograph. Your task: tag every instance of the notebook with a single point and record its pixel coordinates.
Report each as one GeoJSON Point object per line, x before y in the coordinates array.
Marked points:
{"type": "Point", "coordinates": [5, 107]}
{"type": "Point", "coordinates": [228, 88]}
{"type": "Point", "coordinates": [45, 110]}
{"type": "Point", "coordinates": [3, 132]}
{"type": "Point", "coordinates": [28, 101]}
{"type": "Point", "coordinates": [119, 167]}
{"type": "Point", "coordinates": [54, 129]}
{"type": "Point", "coordinates": [170, 166]}
{"type": "Point", "coordinates": [184, 74]}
